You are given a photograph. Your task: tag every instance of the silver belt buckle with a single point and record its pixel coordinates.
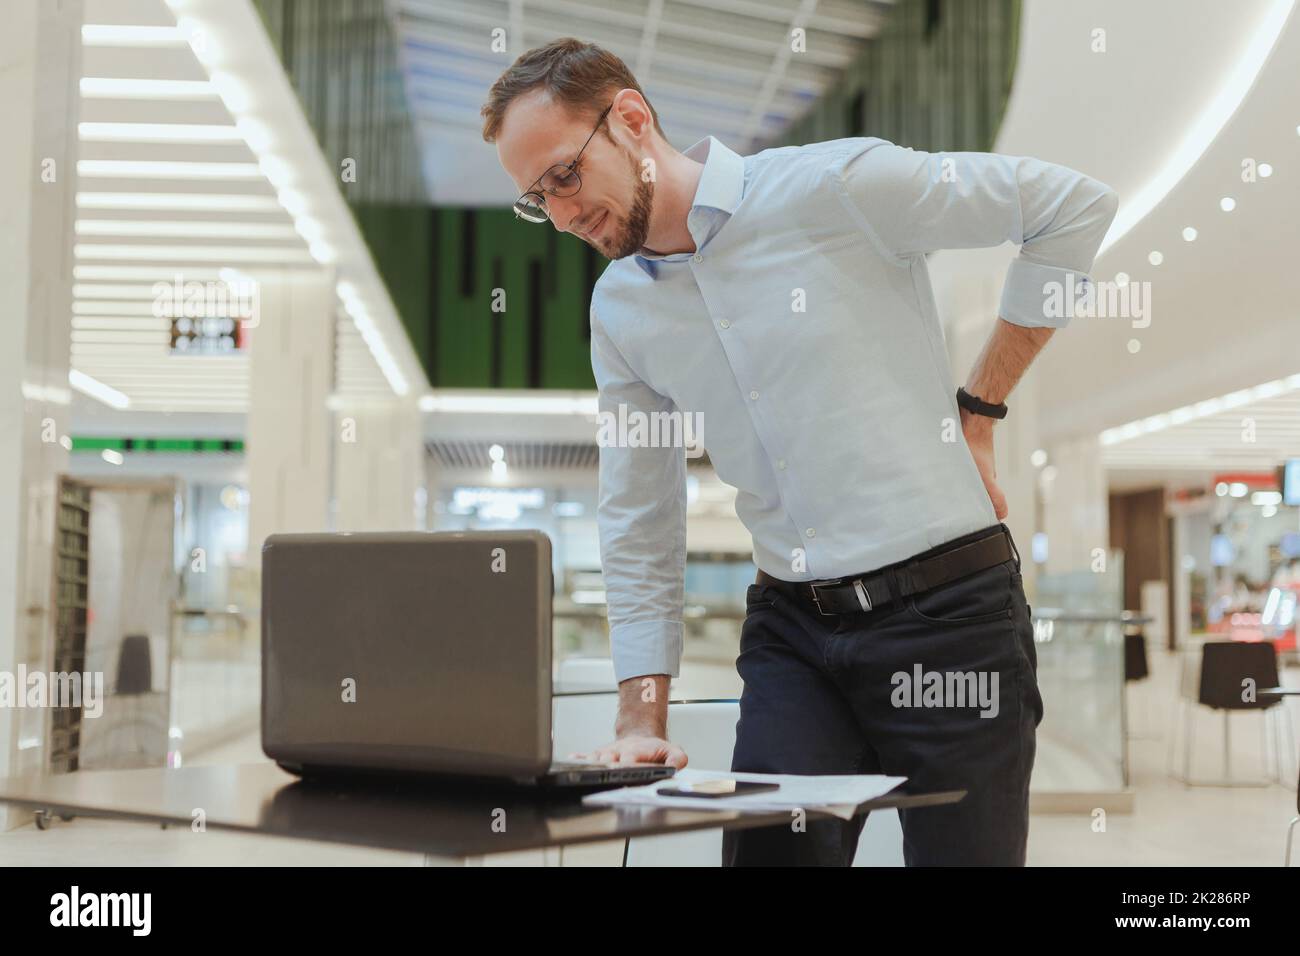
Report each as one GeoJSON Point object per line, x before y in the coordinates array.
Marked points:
{"type": "Point", "coordinates": [817, 601]}
{"type": "Point", "coordinates": [864, 600]}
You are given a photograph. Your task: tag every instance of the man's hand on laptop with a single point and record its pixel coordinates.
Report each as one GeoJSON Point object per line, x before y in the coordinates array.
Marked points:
{"type": "Point", "coordinates": [638, 749]}
{"type": "Point", "coordinates": [641, 730]}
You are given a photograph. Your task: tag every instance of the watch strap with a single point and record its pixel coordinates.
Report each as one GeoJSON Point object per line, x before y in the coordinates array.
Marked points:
{"type": "Point", "coordinates": [980, 407]}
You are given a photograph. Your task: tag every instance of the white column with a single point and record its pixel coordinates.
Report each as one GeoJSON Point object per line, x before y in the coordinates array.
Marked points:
{"type": "Point", "coordinates": [40, 65]}
{"type": "Point", "coordinates": [379, 467]}
{"type": "Point", "coordinates": [291, 375]}
{"type": "Point", "coordinates": [1076, 511]}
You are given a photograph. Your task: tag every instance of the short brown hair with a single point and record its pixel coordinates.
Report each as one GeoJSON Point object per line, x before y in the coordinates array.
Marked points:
{"type": "Point", "coordinates": [582, 76]}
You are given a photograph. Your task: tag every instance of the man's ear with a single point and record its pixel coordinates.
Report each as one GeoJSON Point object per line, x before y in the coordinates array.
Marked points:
{"type": "Point", "coordinates": [633, 113]}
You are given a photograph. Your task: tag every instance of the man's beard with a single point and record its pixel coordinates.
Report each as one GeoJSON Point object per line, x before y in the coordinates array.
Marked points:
{"type": "Point", "coordinates": [630, 238]}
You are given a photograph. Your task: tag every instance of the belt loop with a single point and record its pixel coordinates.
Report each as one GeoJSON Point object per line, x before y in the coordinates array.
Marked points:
{"type": "Point", "coordinates": [1012, 541]}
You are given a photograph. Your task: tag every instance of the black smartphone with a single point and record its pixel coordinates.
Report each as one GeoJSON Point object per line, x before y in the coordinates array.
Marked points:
{"type": "Point", "coordinates": [713, 789]}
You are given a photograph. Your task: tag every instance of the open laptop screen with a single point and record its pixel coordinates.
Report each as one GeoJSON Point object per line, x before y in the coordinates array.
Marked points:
{"type": "Point", "coordinates": [408, 651]}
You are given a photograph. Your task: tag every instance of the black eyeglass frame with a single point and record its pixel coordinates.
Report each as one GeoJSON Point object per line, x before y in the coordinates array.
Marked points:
{"type": "Point", "coordinates": [520, 205]}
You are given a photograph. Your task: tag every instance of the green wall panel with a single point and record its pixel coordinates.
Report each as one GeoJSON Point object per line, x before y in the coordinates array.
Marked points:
{"type": "Point", "coordinates": [936, 78]}
{"type": "Point", "coordinates": [541, 339]}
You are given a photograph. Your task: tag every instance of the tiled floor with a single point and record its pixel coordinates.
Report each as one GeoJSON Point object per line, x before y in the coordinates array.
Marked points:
{"type": "Point", "coordinates": [1171, 825]}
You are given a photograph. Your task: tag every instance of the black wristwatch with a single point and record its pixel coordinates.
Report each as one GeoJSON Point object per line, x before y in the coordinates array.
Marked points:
{"type": "Point", "coordinates": [979, 407]}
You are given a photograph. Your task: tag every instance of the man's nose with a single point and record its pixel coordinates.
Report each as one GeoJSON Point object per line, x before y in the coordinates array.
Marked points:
{"type": "Point", "coordinates": [562, 212]}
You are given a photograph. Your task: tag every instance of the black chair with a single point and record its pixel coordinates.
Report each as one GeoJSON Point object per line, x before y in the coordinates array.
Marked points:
{"type": "Point", "coordinates": [135, 665]}
{"type": "Point", "coordinates": [1135, 656]}
{"type": "Point", "coordinates": [1232, 673]}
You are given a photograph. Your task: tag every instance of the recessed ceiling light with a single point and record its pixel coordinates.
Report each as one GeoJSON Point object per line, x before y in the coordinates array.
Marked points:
{"type": "Point", "coordinates": [208, 202]}
{"type": "Point", "coordinates": [293, 202]}
{"type": "Point", "coordinates": [157, 133]}
{"type": "Point", "coordinates": [1156, 257]}
{"type": "Point", "coordinates": [321, 251]}
{"type": "Point", "coordinates": [1227, 204]}
{"type": "Point", "coordinates": [151, 273]}
{"type": "Point", "coordinates": [1189, 234]}
{"type": "Point", "coordinates": [150, 169]}
{"type": "Point", "coordinates": [1265, 170]}
{"type": "Point", "coordinates": [97, 389]}
{"type": "Point", "coordinates": [117, 88]}
{"type": "Point", "coordinates": [112, 34]}
{"type": "Point", "coordinates": [1121, 279]}
{"type": "Point", "coordinates": [175, 253]}
{"type": "Point", "coordinates": [183, 229]}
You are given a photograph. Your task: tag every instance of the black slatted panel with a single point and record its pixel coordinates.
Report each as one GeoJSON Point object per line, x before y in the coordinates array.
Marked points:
{"type": "Point", "coordinates": [498, 321]}
{"type": "Point", "coordinates": [933, 17]}
{"type": "Point", "coordinates": [468, 252]}
{"type": "Point", "coordinates": [535, 303]}
{"type": "Point", "coordinates": [435, 291]}
{"type": "Point", "coordinates": [853, 121]}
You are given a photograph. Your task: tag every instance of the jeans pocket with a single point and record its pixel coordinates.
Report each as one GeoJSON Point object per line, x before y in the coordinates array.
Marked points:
{"type": "Point", "coordinates": [981, 598]}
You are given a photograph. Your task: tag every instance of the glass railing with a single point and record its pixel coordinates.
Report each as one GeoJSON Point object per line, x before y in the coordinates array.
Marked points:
{"type": "Point", "coordinates": [215, 678]}
{"type": "Point", "coordinates": [1079, 625]}
{"type": "Point", "coordinates": [1082, 739]}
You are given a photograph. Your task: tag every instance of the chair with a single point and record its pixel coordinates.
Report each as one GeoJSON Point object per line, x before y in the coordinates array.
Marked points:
{"type": "Point", "coordinates": [1225, 668]}
{"type": "Point", "coordinates": [1135, 669]}
{"type": "Point", "coordinates": [1135, 656]}
{"type": "Point", "coordinates": [134, 666]}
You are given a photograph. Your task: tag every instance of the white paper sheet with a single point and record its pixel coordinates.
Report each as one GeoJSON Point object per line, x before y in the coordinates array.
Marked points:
{"type": "Point", "coordinates": [836, 794]}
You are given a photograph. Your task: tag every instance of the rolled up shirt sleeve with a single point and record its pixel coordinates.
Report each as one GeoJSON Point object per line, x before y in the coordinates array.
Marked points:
{"type": "Point", "coordinates": [641, 519]}
{"type": "Point", "coordinates": [913, 202]}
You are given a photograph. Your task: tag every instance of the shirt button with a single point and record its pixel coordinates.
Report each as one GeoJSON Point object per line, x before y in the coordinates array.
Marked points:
{"type": "Point", "coordinates": [725, 324]}
{"type": "Point", "coordinates": [753, 396]}
{"type": "Point", "coordinates": [780, 463]}
{"type": "Point", "coordinates": [811, 532]}
{"type": "Point", "coordinates": [698, 257]}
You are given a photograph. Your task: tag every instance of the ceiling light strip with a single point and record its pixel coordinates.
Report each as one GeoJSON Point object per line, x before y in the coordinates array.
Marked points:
{"type": "Point", "coordinates": [1199, 410]}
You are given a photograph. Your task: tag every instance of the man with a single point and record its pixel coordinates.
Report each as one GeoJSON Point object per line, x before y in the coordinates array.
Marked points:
{"type": "Point", "coordinates": [784, 299]}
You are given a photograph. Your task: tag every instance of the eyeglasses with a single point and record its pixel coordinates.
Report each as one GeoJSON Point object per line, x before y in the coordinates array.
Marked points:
{"type": "Point", "coordinates": [560, 180]}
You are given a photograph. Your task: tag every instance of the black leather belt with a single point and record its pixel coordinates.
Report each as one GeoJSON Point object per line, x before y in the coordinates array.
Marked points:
{"type": "Point", "coordinates": [867, 592]}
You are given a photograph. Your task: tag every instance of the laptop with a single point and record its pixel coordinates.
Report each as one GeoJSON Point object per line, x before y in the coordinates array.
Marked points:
{"type": "Point", "coordinates": [416, 653]}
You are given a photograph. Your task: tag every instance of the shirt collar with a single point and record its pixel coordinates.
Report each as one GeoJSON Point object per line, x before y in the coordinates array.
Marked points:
{"type": "Point", "coordinates": [721, 186]}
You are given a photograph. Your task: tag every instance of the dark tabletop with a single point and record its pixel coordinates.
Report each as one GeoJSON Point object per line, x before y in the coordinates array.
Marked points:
{"type": "Point", "coordinates": [418, 816]}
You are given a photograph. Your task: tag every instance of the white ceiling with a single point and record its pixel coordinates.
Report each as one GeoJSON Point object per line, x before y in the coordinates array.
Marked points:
{"type": "Point", "coordinates": [1223, 307]}
{"type": "Point", "coordinates": [1249, 430]}
{"type": "Point", "coordinates": [710, 67]}
{"type": "Point", "coordinates": [147, 99]}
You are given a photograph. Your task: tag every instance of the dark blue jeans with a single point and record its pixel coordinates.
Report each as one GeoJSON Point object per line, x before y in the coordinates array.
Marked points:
{"type": "Point", "coordinates": [940, 688]}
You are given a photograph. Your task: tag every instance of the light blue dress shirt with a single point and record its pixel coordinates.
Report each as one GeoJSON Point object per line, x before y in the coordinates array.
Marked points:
{"type": "Point", "coordinates": [803, 334]}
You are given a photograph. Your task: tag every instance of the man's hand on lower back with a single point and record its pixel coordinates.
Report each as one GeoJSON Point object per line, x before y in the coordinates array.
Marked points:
{"type": "Point", "coordinates": [978, 432]}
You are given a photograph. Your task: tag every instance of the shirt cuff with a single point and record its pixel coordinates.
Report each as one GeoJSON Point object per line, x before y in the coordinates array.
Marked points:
{"type": "Point", "coordinates": [1039, 296]}
{"type": "Point", "coordinates": [646, 647]}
